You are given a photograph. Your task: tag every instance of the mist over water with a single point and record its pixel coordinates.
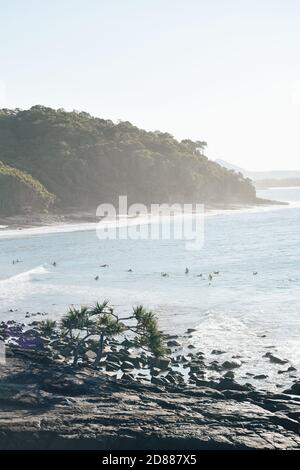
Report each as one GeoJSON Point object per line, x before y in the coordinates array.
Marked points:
{"type": "Point", "coordinates": [240, 313]}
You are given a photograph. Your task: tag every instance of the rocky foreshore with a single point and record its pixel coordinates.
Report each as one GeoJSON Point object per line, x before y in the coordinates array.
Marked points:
{"type": "Point", "coordinates": [45, 404]}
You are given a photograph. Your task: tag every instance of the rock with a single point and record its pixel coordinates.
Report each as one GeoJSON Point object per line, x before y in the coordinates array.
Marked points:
{"type": "Point", "coordinates": [127, 343]}
{"type": "Point", "coordinates": [193, 377]}
{"type": "Point", "coordinates": [128, 377]}
{"type": "Point", "coordinates": [260, 377]}
{"type": "Point", "coordinates": [191, 346]}
{"type": "Point", "coordinates": [112, 366]}
{"type": "Point", "coordinates": [155, 371]}
{"type": "Point", "coordinates": [275, 359]}
{"type": "Point", "coordinates": [157, 380]}
{"type": "Point", "coordinates": [195, 367]}
{"type": "Point", "coordinates": [217, 352]}
{"type": "Point", "coordinates": [291, 369]}
{"type": "Point", "coordinates": [294, 390]}
{"type": "Point", "coordinates": [62, 407]}
{"type": "Point", "coordinates": [159, 362]}
{"type": "Point", "coordinates": [191, 330]}
{"type": "Point", "coordinates": [229, 384]}
{"type": "Point", "coordinates": [214, 365]}
{"type": "Point", "coordinates": [113, 357]}
{"type": "Point", "coordinates": [126, 365]}
{"type": "Point", "coordinates": [229, 375]}
{"type": "Point", "coordinates": [171, 378]}
{"type": "Point", "coordinates": [173, 344]}
{"type": "Point", "coordinates": [232, 364]}
{"type": "Point", "coordinates": [136, 361]}
{"type": "Point", "coordinates": [91, 355]}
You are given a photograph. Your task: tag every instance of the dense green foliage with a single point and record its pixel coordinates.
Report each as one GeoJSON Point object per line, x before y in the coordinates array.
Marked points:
{"type": "Point", "coordinates": [20, 191]}
{"type": "Point", "coordinates": [85, 161]}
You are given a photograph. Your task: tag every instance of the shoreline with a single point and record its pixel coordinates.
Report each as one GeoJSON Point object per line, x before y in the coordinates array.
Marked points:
{"type": "Point", "coordinates": [42, 223]}
{"type": "Point", "coordinates": [48, 405]}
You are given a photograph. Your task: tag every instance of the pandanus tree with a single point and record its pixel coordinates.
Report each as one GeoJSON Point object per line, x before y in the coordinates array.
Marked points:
{"type": "Point", "coordinates": [80, 327]}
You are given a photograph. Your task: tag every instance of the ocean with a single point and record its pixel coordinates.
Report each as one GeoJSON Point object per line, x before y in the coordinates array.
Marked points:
{"type": "Point", "coordinates": [243, 314]}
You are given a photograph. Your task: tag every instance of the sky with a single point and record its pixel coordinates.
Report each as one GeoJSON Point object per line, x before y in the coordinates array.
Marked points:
{"type": "Point", "coordinates": [223, 71]}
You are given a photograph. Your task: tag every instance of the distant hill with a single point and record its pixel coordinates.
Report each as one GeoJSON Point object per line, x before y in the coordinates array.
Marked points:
{"type": "Point", "coordinates": [261, 175]}
{"type": "Point", "coordinates": [73, 160]}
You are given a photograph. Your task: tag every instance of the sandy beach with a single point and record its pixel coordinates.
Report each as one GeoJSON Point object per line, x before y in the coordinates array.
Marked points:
{"type": "Point", "coordinates": [55, 222]}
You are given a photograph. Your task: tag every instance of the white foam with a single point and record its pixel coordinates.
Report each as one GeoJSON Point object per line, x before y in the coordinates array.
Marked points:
{"type": "Point", "coordinates": [26, 276]}
{"type": "Point", "coordinates": [124, 221]}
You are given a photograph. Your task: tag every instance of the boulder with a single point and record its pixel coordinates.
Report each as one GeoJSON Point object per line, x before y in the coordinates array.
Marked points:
{"type": "Point", "coordinates": [294, 390]}
{"type": "Point", "coordinates": [126, 365]}
{"type": "Point", "coordinates": [155, 371]}
{"type": "Point", "coordinates": [128, 377]}
{"type": "Point", "coordinates": [191, 330]}
{"type": "Point", "coordinates": [159, 362]}
{"type": "Point", "coordinates": [232, 364]}
{"type": "Point", "coordinates": [276, 359]}
{"type": "Point", "coordinates": [112, 366]}
{"type": "Point", "coordinates": [229, 375]}
{"type": "Point", "coordinates": [173, 344]}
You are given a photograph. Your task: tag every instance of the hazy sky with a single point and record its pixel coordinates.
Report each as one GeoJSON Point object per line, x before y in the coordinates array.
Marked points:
{"type": "Point", "coordinates": [225, 71]}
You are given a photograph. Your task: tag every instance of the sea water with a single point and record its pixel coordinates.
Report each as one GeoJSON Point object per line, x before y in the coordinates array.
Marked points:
{"type": "Point", "coordinates": [243, 314]}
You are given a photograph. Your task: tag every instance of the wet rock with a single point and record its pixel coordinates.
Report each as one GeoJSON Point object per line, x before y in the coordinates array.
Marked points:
{"type": "Point", "coordinates": [275, 359]}
{"type": "Point", "coordinates": [157, 380]}
{"type": "Point", "coordinates": [127, 343]}
{"type": "Point", "coordinates": [113, 357]}
{"type": "Point", "coordinates": [218, 352]}
{"type": "Point", "coordinates": [159, 362]}
{"type": "Point", "coordinates": [173, 344]}
{"type": "Point", "coordinates": [191, 330]}
{"type": "Point", "coordinates": [229, 375]}
{"type": "Point", "coordinates": [171, 379]}
{"type": "Point", "coordinates": [155, 371]}
{"type": "Point", "coordinates": [232, 364]}
{"type": "Point", "coordinates": [294, 390]}
{"type": "Point", "coordinates": [196, 367]}
{"type": "Point", "coordinates": [260, 377]}
{"type": "Point", "coordinates": [230, 384]}
{"type": "Point", "coordinates": [127, 377]}
{"type": "Point", "coordinates": [59, 407]}
{"type": "Point", "coordinates": [126, 365]}
{"type": "Point", "coordinates": [112, 366]}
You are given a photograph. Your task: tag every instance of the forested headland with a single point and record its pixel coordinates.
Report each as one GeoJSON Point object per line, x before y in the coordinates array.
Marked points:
{"type": "Point", "coordinates": [53, 159]}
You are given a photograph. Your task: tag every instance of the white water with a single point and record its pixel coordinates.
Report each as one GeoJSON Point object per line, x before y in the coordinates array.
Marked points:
{"type": "Point", "coordinates": [240, 313]}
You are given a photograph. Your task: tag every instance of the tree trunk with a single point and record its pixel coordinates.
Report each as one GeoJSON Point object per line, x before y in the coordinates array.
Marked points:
{"type": "Point", "coordinates": [100, 350]}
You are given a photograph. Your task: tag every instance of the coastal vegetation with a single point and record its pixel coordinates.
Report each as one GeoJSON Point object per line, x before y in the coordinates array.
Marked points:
{"type": "Point", "coordinates": [82, 333]}
{"type": "Point", "coordinates": [71, 160]}
{"type": "Point", "coordinates": [19, 191]}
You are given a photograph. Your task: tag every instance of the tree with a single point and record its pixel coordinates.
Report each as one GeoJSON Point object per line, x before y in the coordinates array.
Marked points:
{"type": "Point", "coordinates": [79, 327]}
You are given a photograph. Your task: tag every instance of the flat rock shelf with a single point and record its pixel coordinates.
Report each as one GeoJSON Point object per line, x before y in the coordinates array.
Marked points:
{"type": "Point", "coordinates": [56, 407]}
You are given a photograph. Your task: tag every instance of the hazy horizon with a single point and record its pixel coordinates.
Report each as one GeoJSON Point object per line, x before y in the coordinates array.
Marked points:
{"type": "Point", "coordinates": [224, 73]}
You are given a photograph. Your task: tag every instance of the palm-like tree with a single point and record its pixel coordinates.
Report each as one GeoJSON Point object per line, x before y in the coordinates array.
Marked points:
{"type": "Point", "coordinates": [86, 323]}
